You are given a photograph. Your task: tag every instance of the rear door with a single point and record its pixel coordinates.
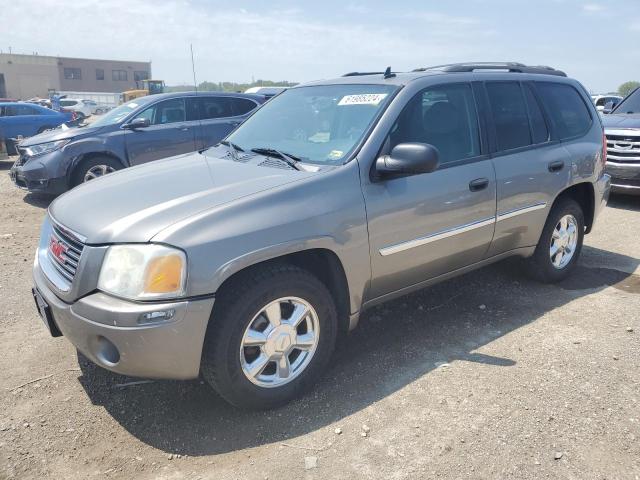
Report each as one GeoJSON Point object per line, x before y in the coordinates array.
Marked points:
{"type": "Point", "coordinates": [169, 134]}
{"type": "Point", "coordinates": [423, 226]}
{"type": "Point", "coordinates": [531, 164]}
{"type": "Point", "coordinates": [218, 117]}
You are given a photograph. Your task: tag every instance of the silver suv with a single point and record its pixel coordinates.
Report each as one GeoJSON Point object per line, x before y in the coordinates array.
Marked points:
{"type": "Point", "coordinates": [244, 263]}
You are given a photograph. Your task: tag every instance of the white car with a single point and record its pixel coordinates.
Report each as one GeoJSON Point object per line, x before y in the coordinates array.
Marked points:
{"type": "Point", "coordinates": [81, 107]}
{"type": "Point", "coordinates": [601, 100]}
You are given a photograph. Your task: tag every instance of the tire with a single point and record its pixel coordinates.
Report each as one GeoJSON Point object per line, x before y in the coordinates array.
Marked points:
{"type": "Point", "coordinates": [241, 304]}
{"type": "Point", "coordinates": [541, 264]}
{"type": "Point", "coordinates": [82, 171]}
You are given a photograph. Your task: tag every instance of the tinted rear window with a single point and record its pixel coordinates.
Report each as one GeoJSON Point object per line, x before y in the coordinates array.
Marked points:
{"type": "Point", "coordinates": [242, 106]}
{"type": "Point", "coordinates": [509, 115]}
{"type": "Point", "coordinates": [568, 112]}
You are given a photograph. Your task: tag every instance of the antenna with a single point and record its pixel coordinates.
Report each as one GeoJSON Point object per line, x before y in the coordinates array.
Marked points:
{"type": "Point", "coordinates": [193, 68]}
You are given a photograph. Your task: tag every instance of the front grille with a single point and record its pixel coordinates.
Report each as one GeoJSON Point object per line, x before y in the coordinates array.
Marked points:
{"type": "Point", "coordinates": [623, 148]}
{"type": "Point", "coordinates": [64, 252]}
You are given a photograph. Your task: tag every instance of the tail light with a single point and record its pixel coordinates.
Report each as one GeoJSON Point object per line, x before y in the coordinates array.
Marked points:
{"type": "Point", "coordinates": [604, 149]}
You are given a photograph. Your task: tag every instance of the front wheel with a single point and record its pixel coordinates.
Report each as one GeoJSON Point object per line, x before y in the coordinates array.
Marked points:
{"type": "Point", "coordinates": [271, 335]}
{"type": "Point", "coordinates": [560, 243]}
{"type": "Point", "coordinates": [93, 168]}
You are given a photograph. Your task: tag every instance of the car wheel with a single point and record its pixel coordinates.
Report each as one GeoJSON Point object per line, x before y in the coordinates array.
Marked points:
{"type": "Point", "coordinates": [271, 334]}
{"type": "Point", "coordinates": [93, 168]}
{"type": "Point", "coordinates": [560, 244]}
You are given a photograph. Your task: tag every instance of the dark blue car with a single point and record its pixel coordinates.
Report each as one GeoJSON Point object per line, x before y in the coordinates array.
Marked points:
{"type": "Point", "coordinates": [145, 129]}
{"type": "Point", "coordinates": [27, 119]}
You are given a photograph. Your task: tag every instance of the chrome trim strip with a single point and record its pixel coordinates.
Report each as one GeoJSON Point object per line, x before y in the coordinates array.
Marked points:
{"type": "Point", "coordinates": [520, 211]}
{"type": "Point", "coordinates": [401, 247]}
{"type": "Point", "coordinates": [627, 187]}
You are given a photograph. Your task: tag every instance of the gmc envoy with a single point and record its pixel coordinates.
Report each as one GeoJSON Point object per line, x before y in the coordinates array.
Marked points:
{"type": "Point", "coordinates": [245, 262]}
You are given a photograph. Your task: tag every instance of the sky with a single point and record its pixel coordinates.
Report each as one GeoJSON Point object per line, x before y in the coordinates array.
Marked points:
{"type": "Point", "coordinates": [594, 41]}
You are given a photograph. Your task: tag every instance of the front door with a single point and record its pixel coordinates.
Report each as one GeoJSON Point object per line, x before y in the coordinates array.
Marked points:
{"type": "Point", "coordinates": [423, 226]}
{"type": "Point", "coordinates": [171, 133]}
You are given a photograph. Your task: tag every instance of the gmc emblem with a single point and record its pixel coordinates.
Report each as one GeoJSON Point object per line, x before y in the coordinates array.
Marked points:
{"type": "Point", "coordinates": [57, 248]}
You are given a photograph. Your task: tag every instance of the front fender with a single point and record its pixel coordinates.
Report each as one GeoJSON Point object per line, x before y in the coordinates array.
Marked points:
{"type": "Point", "coordinates": [291, 219]}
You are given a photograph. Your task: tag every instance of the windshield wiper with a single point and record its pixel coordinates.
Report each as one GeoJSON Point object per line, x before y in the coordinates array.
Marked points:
{"type": "Point", "coordinates": [289, 159]}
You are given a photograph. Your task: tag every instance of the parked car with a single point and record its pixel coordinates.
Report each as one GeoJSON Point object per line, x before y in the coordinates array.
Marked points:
{"type": "Point", "coordinates": [601, 101]}
{"type": "Point", "coordinates": [20, 119]}
{"type": "Point", "coordinates": [245, 262]}
{"type": "Point", "coordinates": [149, 128]}
{"type": "Point", "coordinates": [622, 127]}
{"type": "Point", "coordinates": [82, 109]}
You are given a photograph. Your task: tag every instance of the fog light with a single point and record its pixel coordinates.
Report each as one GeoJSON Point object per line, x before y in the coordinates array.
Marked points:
{"type": "Point", "coordinates": [156, 317]}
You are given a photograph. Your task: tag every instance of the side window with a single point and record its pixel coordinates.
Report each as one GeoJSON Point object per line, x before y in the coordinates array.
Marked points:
{"type": "Point", "coordinates": [443, 116]}
{"type": "Point", "coordinates": [214, 107]}
{"type": "Point", "coordinates": [242, 106]}
{"type": "Point", "coordinates": [539, 130]}
{"type": "Point", "coordinates": [509, 115]}
{"type": "Point", "coordinates": [568, 112]}
{"type": "Point", "coordinates": [168, 111]}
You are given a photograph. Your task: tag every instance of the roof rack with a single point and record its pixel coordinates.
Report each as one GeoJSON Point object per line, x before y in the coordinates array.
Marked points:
{"type": "Point", "coordinates": [514, 67]}
{"type": "Point", "coordinates": [358, 74]}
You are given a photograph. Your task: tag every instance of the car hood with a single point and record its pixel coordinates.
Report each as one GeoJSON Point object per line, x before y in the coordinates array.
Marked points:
{"type": "Point", "coordinates": [58, 134]}
{"type": "Point", "coordinates": [622, 120]}
{"type": "Point", "coordinates": [135, 204]}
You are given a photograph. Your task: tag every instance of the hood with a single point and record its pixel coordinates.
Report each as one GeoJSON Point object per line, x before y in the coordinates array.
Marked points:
{"type": "Point", "coordinates": [58, 134]}
{"type": "Point", "coordinates": [135, 204]}
{"type": "Point", "coordinates": [621, 120]}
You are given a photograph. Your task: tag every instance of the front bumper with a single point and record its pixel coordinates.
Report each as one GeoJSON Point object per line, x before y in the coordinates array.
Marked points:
{"type": "Point", "coordinates": [108, 331]}
{"type": "Point", "coordinates": [32, 175]}
{"type": "Point", "coordinates": [625, 177]}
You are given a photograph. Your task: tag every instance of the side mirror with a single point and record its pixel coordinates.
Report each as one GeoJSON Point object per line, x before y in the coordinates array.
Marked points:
{"type": "Point", "coordinates": [409, 159]}
{"type": "Point", "coordinates": [137, 123]}
{"type": "Point", "coordinates": [608, 107]}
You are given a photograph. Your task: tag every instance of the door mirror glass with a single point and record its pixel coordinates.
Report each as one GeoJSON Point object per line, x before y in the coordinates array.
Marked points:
{"type": "Point", "coordinates": [409, 159]}
{"type": "Point", "coordinates": [137, 123]}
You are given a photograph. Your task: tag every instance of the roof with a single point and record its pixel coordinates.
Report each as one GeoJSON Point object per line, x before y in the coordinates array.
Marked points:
{"type": "Point", "coordinates": [158, 96]}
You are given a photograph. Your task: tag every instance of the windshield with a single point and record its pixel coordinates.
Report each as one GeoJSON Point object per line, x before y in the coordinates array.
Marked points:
{"type": "Point", "coordinates": [116, 115]}
{"type": "Point", "coordinates": [318, 124]}
{"type": "Point", "coordinates": [631, 104]}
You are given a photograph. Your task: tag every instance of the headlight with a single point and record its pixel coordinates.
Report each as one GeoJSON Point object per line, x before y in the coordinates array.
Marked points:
{"type": "Point", "coordinates": [43, 148]}
{"type": "Point", "coordinates": [143, 272]}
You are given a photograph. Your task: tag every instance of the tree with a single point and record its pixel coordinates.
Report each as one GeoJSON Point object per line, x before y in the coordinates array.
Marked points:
{"type": "Point", "coordinates": [627, 87]}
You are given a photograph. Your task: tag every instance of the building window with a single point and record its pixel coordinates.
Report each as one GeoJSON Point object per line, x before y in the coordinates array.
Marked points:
{"type": "Point", "coordinates": [72, 74]}
{"type": "Point", "coordinates": [99, 74]}
{"type": "Point", "coordinates": [119, 75]}
{"type": "Point", "coordinates": [138, 76]}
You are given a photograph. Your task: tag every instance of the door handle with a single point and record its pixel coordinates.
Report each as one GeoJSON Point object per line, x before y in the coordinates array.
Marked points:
{"type": "Point", "coordinates": [555, 166]}
{"type": "Point", "coordinates": [478, 184]}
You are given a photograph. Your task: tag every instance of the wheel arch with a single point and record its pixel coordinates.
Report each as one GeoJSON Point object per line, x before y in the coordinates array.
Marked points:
{"type": "Point", "coordinates": [323, 263]}
{"type": "Point", "coordinates": [584, 194]}
{"type": "Point", "coordinates": [88, 156]}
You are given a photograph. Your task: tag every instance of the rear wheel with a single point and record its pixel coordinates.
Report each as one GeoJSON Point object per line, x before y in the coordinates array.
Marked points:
{"type": "Point", "coordinates": [93, 168]}
{"type": "Point", "coordinates": [560, 243]}
{"type": "Point", "coordinates": [270, 337]}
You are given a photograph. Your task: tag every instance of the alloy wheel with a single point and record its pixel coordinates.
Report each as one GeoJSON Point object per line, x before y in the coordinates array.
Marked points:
{"type": "Point", "coordinates": [564, 241]}
{"type": "Point", "coordinates": [279, 342]}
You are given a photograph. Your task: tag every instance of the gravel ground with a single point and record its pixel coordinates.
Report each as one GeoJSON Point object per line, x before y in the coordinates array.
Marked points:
{"type": "Point", "coordinates": [489, 375]}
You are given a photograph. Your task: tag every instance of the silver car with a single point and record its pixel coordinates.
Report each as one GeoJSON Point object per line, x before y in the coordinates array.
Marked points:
{"type": "Point", "coordinates": [244, 263]}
